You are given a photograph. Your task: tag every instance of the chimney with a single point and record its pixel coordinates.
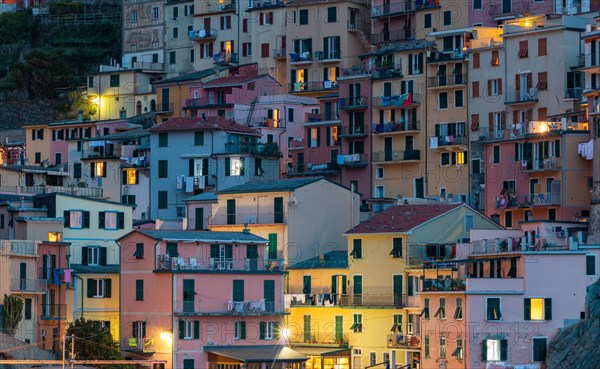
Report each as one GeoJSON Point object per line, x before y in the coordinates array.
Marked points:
{"type": "Point", "coordinates": [322, 259]}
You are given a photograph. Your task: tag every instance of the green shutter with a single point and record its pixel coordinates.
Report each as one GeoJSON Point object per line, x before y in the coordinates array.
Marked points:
{"type": "Point", "coordinates": [214, 251]}
{"type": "Point", "coordinates": [139, 290]}
{"type": "Point", "coordinates": [181, 328]}
{"type": "Point", "coordinates": [503, 350]}
{"type": "Point", "coordinates": [276, 331]}
{"type": "Point", "coordinates": [333, 284]}
{"type": "Point", "coordinates": [107, 288]}
{"type": "Point", "coordinates": [548, 308]}
{"type": "Point", "coordinates": [120, 220]}
{"type": "Point", "coordinates": [409, 286]}
{"type": "Point", "coordinates": [263, 329]}
{"type": "Point", "coordinates": [272, 246]}
{"type": "Point", "coordinates": [86, 219]}
{"type": "Point", "coordinates": [242, 166]}
{"type": "Point", "coordinates": [103, 255]}
{"type": "Point", "coordinates": [188, 363]}
{"type": "Point", "coordinates": [243, 330]}
{"type": "Point", "coordinates": [238, 290]}
{"type": "Point", "coordinates": [101, 219]}
{"type": "Point", "coordinates": [84, 255]}
{"type": "Point", "coordinates": [67, 217]}
{"type": "Point", "coordinates": [196, 329]}
{"type": "Point", "coordinates": [527, 309]}
{"type": "Point", "coordinates": [339, 328]}
{"type": "Point", "coordinates": [484, 350]}
{"type": "Point", "coordinates": [227, 167]}
{"type": "Point", "coordinates": [91, 287]}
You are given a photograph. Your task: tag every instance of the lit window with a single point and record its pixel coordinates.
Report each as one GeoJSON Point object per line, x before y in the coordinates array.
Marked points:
{"type": "Point", "coordinates": [460, 158]}
{"type": "Point", "coordinates": [494, 350]}
{"type": "Point", "coordinates": [99, 169]}
{"type": "Point", "coordinates": [54, 236]}
{"type": "Point", "coordinates": [131, 176]}
{"type": "Point", "coordinates": [236, 167]}
{"type": "Point", "coordinates": [493, 309]}
{"type": "Point", "coordinates": [538, 308]}
{"type": "Point", "coordinates": [314, 137]}
{"type": "Point", "coordinates": [442, 346]}
{"type": "Point", "coordinates": [110, 220]}
{"type": "Point", "coordinates": [76, 219]}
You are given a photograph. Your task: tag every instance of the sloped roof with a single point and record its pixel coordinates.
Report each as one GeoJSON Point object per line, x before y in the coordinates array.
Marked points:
{"type": "Point", "coordinates": [271, 186]}
{"type": "Point", "coordinates": [204, 196]}
{"type": "Point", "coordinates": [331, 259]}
{"type": "Point", "coordinates": [402, 218]}
{"type": "Point", "coordinates": [130, 134]}
{"type": "Point", "coordinates": [187, 77]}
{"type": "Point", "coordinates": [201, 124]}
{"type": "Point", "coordinates": [232, 81]}
{"type": "Point", "coordinates": [202, 236]}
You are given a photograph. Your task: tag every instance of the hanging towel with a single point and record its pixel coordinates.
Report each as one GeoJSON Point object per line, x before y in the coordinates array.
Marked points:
{"type": "Point", "coordinates": [408, 100]}
{"type": "Point", "coordinates": [67, 275]}
{"type": "Point", "coordinates": [433, 142]}
{"type": "Point", "coordinates": [189, 184]}
{"type": "Point", "coordinates": [179, 181]}
{"type": "Point", "coordinates": [340, 159]}
{"type": "Point", "coordinates": [56, 276]}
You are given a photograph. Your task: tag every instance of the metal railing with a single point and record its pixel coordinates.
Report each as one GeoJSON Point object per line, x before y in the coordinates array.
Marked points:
{"type": "Point", "coordinates": [279, 53]}
{"type": "Point", "coordinates": [452, 79]}
{"type": "Point", "coordinates": [166, 263]}
{"type": "Point", "coordinates": [367, 300]}
{"type": "Point", "coordinates": [304, 57]}
{"type": "Point", "coordinates": [314, 169]}
{"type": "Point", "coordinates": [266, 149]}
{"type": "Point", "coordinates": [573, 93]}
{"type": "Point", "coordinates": [393, 36]}
{"type": "Point", "coordinates": [202, 34]}
{"type": "Point", "coordinates": [403, 341]}
{"type": "Point", "coordinates": [391, 9]}
{"type": "Point", "coordinates": [230, 307]}
{"type": "Point", "coordinates": [356, 130]}
{"type": "Point", "coordinates": [215, 7]}
{"type": "Point", "coordinates": [354, 102]}
{"type": "Point", "coordinates": [520, 96]}
{"type": "Point", "coordinates": [444, 284]}
{"type": "Point", "coordinates": [401, 100]}
{"type": "Point", "coordinates": [319, 337]}
{"type": "Point", "coordinates": [450, 140]}
{"type": "Point", "coordinates": [205, 101]}
{"type": "Point", "coordinates": [328, 55]}
{"type": "Point", "coordinates": [387, 71]}
{"type": "Point", "coordinates": [396, 156]}
{"type": "Point", "coordinates": [350, 160]}
{"type": "Point", "coordinates": [540, 165]}
{"type": "Point", "coordinates": [525, 201]}
{"type": "Point", "coordinates": [164, 108]}
{"type": "Point", "coordinates": [312, 86]}
{"type": "Point", "coordinates": [53, 311]}
{"type": "Point", "coordinates": [402, 126]}
{"type": "Point", "coordinates": [355, 71]}
{"type": "Point", "coordinates": [263, 216]}
{"type": "Point", "coordinates": [28, 285]}
{"type": "Point", "coordinates": [224, 57]}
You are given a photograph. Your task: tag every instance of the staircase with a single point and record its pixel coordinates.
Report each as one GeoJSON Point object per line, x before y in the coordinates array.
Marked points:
{"type": "Point", "coordinates": [362, 33]}
{"type": "Point", "coordinates": [249, 119]}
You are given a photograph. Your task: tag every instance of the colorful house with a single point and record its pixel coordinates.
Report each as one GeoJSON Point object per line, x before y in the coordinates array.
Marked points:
{"type": "Point", "coordinates": [235, 322]}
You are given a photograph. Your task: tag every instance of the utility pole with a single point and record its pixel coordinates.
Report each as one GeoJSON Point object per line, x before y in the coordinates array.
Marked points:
{"type": "Point", "coordinates": [73, 350]}
{"type": "Point", "coordinates": [72, 337]}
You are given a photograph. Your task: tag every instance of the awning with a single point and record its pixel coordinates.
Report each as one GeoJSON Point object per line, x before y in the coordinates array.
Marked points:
{"type": "Point", "coordinates": [256, 354]}
{"type": "Point", "coordinates": [322, 351]}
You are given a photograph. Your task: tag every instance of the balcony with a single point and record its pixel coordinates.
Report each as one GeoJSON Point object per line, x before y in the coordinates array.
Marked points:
{"type": "Point", "coordinates": [573, 93]}
{"type": "Point", "coordinates": [28, 285]}
{"type": "Point", "coordinates": [355, 71]}
{"type": "Point", "coordinates": [396, 156]}
{"type": "Point", "coordinates": [447, 56]}
{"type": "Point", "coordinates": [387, 72]}
{"type": "Point", "coordinates": [166, 263]}
{"type": "Point", "coordinates": [104, 151]}
{"type": "Point", "coordinates": [257, 5]}
{"type": "Point", "coordinates": [303, 299]}
{"type": "Point", "coordinates": [203, 35]}
{"type": "Point", "coordinates": [591, 63]}
{"type": "Point", "coordinates": [53, 312]}
{"type": "Point", "coordinates": [266, 149]}
{"type": "Point", "coordinates": [213, 7]}
{"type": "Point", "coordinates": [373, 300]}
{"type": "Point", "coordinates": [501, 10]}
{"type": "Point", "coordinates": [229, 307]}
{"type": "Point", "coordinates": [164, 108]}
{"type": "Point", "coordinates": [321, 338]}
{"type": "Point", "coordinates": [540, 165]}
{"type": "Point", "coordinates": [206, 102]}
{"type": "Point", "coordinates": [19, 248]}
{"type": "Point", "coordinates": [393, 36]}
{"type": "Point", "coordinates": [406, 100]}
{"type": "Point", "coordinates": [446, 141]}
{"type": "Point", "coordinates": [312, 86]}
{"type": "Point", "coordinates": [280, 54]}
{"type": "Point", "coordinates": [426, 4]}
{"type": "Point", "coordinates": [443, 284]}
{"type": "Point", "coordinates": [145, 345]}
{"type": "Point", "coordinates": [388, 10]}
{"type": "Point", "coordinates": [527, 201]}
{"type": "Point", "coordinates": [524, 96]}
{"type": "Point", "coordinates": [354, 103]}
{"type": "Point", "coordinates": [400, 341]}
{"type": "Point", "coordinates": [353, 160]}
{"type": "Point", "coordinates": [324, 169]}
{"type": "Point", "coordinates": [441, 81]}
{"type": "Point", "coordinates": [356, 131]}
{"type": "Point", "coordinates": [301, 58]}
{"type": "Point", "coordinates": [391, 128]}
{"type": "Point", "coordinates": [329, 56]}
{"type": "Point", "coordinates": [263, 216]}
{"type": "Point", "coordinates": [225, 58]}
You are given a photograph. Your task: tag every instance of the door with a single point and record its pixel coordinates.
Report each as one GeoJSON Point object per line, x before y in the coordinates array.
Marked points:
{"type": "Point", "coordinates": [269, 295]}
{"type": "Point", "coordinates": [231, 211]}
{"type": "Point", "coordinates": [278, 210]}
{"type": "Point", "coordinates": [409, 143]}
{"type": "Point", "coordinates": [300, 162]}
{"type": "Point", "coordinates": [419, 188]}
{"type": "Point", "coordinates": [442, 75]}
{"type": "Point", "coordinates": [357, 290]}
{"type": "Point", "coordinates": [238, 290]}
{"type": "Point", "coordinates": [199, 221]}
{"type": "Point", "coordinates": [23, 276]}
{"type": "Point", "coordinates": [339, 328]}
{"type": "Point", "coordinates": [506, 6]}
{"type": "Point", "coordinates": [166, 99]}
{"type": "Point", "coordinates": [398, 291]}
{"type": "Point", "coordinates": [58, 158]}
{"type": "Point", "coordinates": [387, 149]}
{"type": "Point", "coordinates": [272, 246]}
{"type": "Point", "coordinates": [207, 25]}
{"type": "Point", "coordinates": [188, 295]}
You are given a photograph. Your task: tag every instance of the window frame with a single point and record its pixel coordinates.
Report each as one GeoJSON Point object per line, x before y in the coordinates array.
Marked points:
{"type": "Point", "coordinates": [487, 309]}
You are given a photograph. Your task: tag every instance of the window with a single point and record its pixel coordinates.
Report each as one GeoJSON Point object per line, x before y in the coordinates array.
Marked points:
{"type": "Point", "coordinates": [139, 251]}
{"type": "Point", "coordinates": [443, 100]}
{"type": "Point", "coordinates": [115, 80]}
{"type": "Point", "coordinates": [542, 81]}
{"type": "Point", "coordinates": [290, 116]}
{"type": "Point", "coordinates": [163, 169]}
{"type": "Point", "coordinates": [441, 311]}
{"type": "Point", "coordinates": [315, 137]}
{"type": "Point", "coordinates": [469, 221]}
{"type": "Point", "coordinates": [494, 87]}
{"type": "Point", "coordinates": [427, 20]}
{"type": "Point", "coordinates": [192, 55]}
{"type": "Point", "coordinates": [523, 49]}
{"type": "Point", "coordinates": [198, 138]}
{"type": "Point", "coordinates": [162, 199]}
{"type": "Point", "coordinates": [427, 347]}
{"type": "Point", "coordinates": [187, 364]}
{"type": "Point", "coordinates": [303, 16]}
{"type": "Point", "coordinates": [475, 88]}
{"type": "Point", "coordinates": [134, 16]}
{"type": "Point", "coordinates": [458, 352]}
{"type": "Point", "coordinates": [493, 308]}
{"type": "Point", "coordinates": [508, 222]}
{"type": "Point", "coordinates": [458, 310]}
{"type": "Point", "coordinates": [331, 14]}
{"type": "Point", "coordinates": [131, 177]}
{"type": "Point", "coordinates": [268, 330]}
{"type": "Point", "coordinates": [189, 329]}
{"type": "Point", "coordinates": [540, 345]}
{"type": "Point", "coordinates": [175, 12]}
{"type": "Point", "coordinates": [77, 219]}
{"type": "Point", "coordinates": [240, 330]}
{"type": "Point", "coordinates": [264, 50]}
{"type": "Point", "coordinates": [234, 166]}
{"type": "Point", "coordinates": [372, 358]}
{"type": "Point", "coordinates": [442, 346]}
{"type": "Point", "coordinates": [93, 255]}
{"type": "Point", "coordinates": [476, 61]}
{"type": "Point", "coordinates": [175, 32]}
{"type": "Point", "coordinates": [542, 47]}
{"type": "Point", "coordinates": [155, 13]}
{"type": "Point", "coordinates": [139, 290]}
{"type": "Point", "coordinates": [99, 288]}
{"type": "Point", "coordinates": [397, 326]}
{"type": "Point", "coordinates": [357, 324]}
{"type": "Point", "coordinates": [495, 350]}
{"type": "Point", "coordinates": [356, 249]}
{"type": "Point", "coordinates": [163, 139]}
{"type": "Point", "coordinates": [111, 220]}
{"type": "Point", "coordinates": [477, 4]}
{"type": "Point", "coordinates": [537, 308]}
{"type": "Point", "coordinates": [27, 315]}
{"type": "Point", "coordinates": [172, 57]}
{"type": "Point", "coordinates": [38, 158]}
{"type": "Point", "coordinates": [496, 152]}
{"type": "Point", "coordinates": [590, 265]}
{"type": "Point", "coordinates": [458, 99]}
{"type": "Point", "coordinates": [379, 173]}
{"type": "Point", "coordinates": [447, 17]}
{"type": "Point", "coordinates": [172, 250]}
{"type": "Point", "coordinates": [425, 311]}
{"type": "Point", "coordinates": [396, 248]}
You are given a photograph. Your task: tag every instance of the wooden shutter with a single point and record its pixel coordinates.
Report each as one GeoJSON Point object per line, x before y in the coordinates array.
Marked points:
{"type": "Point", "coordinates": [102, 255]}
{"type": "Point", "coordinates": [120, 220]}
{"type": "Point", "coordinates": [108, 288]}
{"type": "Point", "coordinates": [499, 86]}
{"type": "Point", "coordinates": [527, 309]}
{"type": "Point", "coordinates": [517, 82]}
{"type": "Point", "coordinates": [490, 122]}
{"type": "Point", "coordinates": [410, 64]}
{"type": "Point", "coordinates": [263, 329]}
{"type": "Point", "coordinates": [476, 61]}
{"type": "Point", "coordinates": [503, 350]}
{"type": "Point", "coordinates": [489, 87]}
{"type": "Point", "coordinates": [542, 114]}
{"type": "Point", "coordinates": [84, 255]}
{"type": "Point", "coordinates": [542, 47]}
{"type": "Point", "coordinates": [91, 287]}
{"type": "Point", "coordinates": [223, 23]}
{"type": "Point", "coordinates": [196, 329]}
{"type": "Point", "coordinates": [202, 51]}
{"type": "Point", "coordinates": [244, 49]}
{"type": "Point", "coordinates": [210, 50]}
{"type": "Point", "coordinates": [67, 217]}
{"type": "Point", "coordinates": [474, 122]}
{"type": "Point", "coordinates": [227, 167]}
{"type": "Point", "coordinates": [261, 18]}
{"type": "Point", "coordinates": [181, 329]}
{"type": "Point", "coordinates": [548, 308]}
{"type": "Point", "coordinates": [529, 115]}
{"type": "Point", "coordinates": [475, 86]}
{"type": "Point", "coordinates": [484, 350]}
{"type": "Point", "coordinates": [515, 116]}
{"type": "Point", "coordinates": [542, 81]}
{"type": "Point", "coordinates": [92, 171]}
{"type": "Point", "coordinates": [503, 120]}
{"type": "Point", "coordinates": [86, 219]}
{"type": "Point", "coordinates": [529, 80]}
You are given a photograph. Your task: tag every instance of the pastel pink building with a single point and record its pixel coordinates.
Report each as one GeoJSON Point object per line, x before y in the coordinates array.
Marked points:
{"type": "Point", "coordinates": [497, 304]}
{"type": "Point", "coordinates": [202, 300]}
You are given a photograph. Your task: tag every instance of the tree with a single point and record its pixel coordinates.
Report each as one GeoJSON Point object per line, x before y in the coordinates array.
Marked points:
{"type": "Point", "coordinates": [13, 314]}
{"type": "Point", "coordinates": [93, 342]}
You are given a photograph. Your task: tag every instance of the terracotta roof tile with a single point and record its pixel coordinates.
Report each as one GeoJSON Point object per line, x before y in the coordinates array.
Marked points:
{"type": "Point", "coordinates": [200, 124]}
{"type": "Point", "coordinates": [402, 218]}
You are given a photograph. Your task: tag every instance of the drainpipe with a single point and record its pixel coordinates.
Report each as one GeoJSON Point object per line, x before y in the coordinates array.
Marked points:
{"type": "Point", "coordinates": [75, 302]}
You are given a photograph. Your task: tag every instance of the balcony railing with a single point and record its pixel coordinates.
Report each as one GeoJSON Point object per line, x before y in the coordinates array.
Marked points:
{"type": "Point", "coordinates": [251, 307]}
{"type": "Point", "coordinates": [201, 102]}
{"type": "Point", "coordinates": [367, 300]}
{"type": "Point", "coordinates": [229, 307]}
{"type": "Point", "coordinates": [393, 36]}
{"type": "Point", "coordinates": [443, 284]}
{"type": "Point", "coordinates": [298, 170]}
{"type": "Point", "coordinates": [53, 311]}
{"type": "Point", "coordinates": [355, 71]}
{"type": "Point", "coordinates": [28, 285]}
{"type": "Point", "coordinates": [217, 7]}
{"type": "Point", "coordinates": [23, 248]}
{"type": "Point", "coordinates": [319, 337]}
{"type": "Point", "coordinates": [279, 53]}
{"type": "Point", "coordinates": [427, 4]}
{"type": "Point", "coordinates": [354, 102]}
{"type": "Point", "coordinates": [311, 86]}
{"type": "Point", "coordinates": [403, 341]}
{"type": "Point", "coordinates": [262, 217]}
{"type": "Point", "coordinates": [540, 165]}
{"type": "Point", "coordinates": [256, 4]}
{"type": "Point", "coordinates": [225, 58]}
{"type": "Point", "coordinates": [203, 34]}
{"type": "Point", "coordinates": [355, 131]}
{"type": "Point", "coordinates": [328, 55]}
{"type": "Point", "coordinates": [396, 156]}
{"type": "Point", "coordinates": [526, 201]}
{"type": "Point", "coordinates": [446, 80]}
{"type": "Point", "coordinates": [145, 344]}
{"type": "Point", "coordinates": [447, 55]}
{"type": "Point", "coordinates": [407, 99]}
{"type": "Point", "coordinates": [302, 299]}
{"type": "Point", "coordinates": [266, 149]}
{"type": "Point", "coordinates": [386, 10]}
{"type": "Point", "coordinates": [500, 10]}
{"type": "Point", "coordinates": [441, 141]}
{"type": "Point", "coordinates": [393, 127]}
{"type": "Point", "coordinates": [521, 96]}
{"type": "Point", "coordinates": [301, 58]}
{"type": "Point", "coordinates": [166, 263]}
{"type": "Point", "coordinates": [353, 160]}
{"type": "Point", "coordinates": [573, 93]}
{"type": "Point", "coordinates": [164, 108]}
{"type": "Point", "coordinates": [387, 71]}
